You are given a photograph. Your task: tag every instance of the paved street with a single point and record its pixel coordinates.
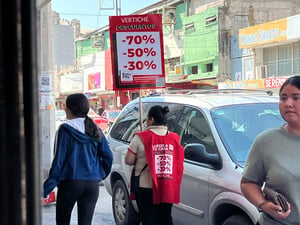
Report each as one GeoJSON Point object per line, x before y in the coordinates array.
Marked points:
{"type": "Point", "coordinates": [102, 216]}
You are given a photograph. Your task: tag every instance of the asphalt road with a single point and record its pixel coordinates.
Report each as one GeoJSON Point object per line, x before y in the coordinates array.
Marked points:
{"type": "Point", "coordinates": [103, 213]}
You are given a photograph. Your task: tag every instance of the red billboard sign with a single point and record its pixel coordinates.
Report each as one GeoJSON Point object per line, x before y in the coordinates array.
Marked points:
{"type": "Point", "coordinates": [137, 51]}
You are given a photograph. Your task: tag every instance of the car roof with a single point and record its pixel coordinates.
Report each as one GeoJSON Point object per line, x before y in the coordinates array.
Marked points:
{"type": "Point", "coordinates": [112, 110]}
{"type": "Point", "coordinates": [214, 98]}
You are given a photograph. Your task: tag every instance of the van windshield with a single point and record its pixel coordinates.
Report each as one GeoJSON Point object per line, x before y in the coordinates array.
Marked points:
{"type": "Point", "coordinates": [239, 125]}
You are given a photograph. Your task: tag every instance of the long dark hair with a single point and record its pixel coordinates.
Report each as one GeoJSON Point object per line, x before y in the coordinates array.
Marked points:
{"type": "Point", "coordinates": [79, 106]}
{"type": "Point", "coordinates": [158, 113]}
{"type": "Point", "coordinates": [294, 81]}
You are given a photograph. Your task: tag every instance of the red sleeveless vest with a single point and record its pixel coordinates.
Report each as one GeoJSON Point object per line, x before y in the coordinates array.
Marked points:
{"type": "Point", "coordinates": [164, 156]}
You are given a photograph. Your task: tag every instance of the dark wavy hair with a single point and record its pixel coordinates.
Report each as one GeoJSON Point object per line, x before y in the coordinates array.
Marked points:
{"type": "Point", "coordinates": [294, 81]}
{"type": "Point", "coordinates": [79, 106]}
{"type": "Point", "coordinates": [158, 113]}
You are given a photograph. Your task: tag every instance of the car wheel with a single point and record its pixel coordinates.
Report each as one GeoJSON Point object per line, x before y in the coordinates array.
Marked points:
{"type": "Point", "coordinates": [237, 220]}
{"type": "Point", "coordinates": [123, 211]}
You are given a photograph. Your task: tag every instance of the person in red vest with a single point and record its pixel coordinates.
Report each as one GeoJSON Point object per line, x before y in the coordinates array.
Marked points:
{"type": "Point", "coordinates": [158, 158]}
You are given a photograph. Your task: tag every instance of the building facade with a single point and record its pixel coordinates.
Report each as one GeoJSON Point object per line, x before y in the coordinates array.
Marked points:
{"type": "Point", "coordinates": [201, 47]}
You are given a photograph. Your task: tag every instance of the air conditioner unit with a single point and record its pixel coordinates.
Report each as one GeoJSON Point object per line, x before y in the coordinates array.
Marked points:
{"type": "Point", "coordinates": [169, 15]}
{"type": "Point", "coordinates": [98, 41]}
{"type": "Point", "coordinates": [261, 72]}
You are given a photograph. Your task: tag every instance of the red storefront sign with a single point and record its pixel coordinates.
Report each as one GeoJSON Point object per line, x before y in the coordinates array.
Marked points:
{"type": "Point", "coordinates": [274, 82]}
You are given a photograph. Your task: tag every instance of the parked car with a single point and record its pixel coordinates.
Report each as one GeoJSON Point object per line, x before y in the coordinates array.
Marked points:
{"type": "Point", "coordinates": [216, 128]}
{"type": "Point", "coordinates": [92, 114]}
{"type": "Point", "coordinates": [107, 118]}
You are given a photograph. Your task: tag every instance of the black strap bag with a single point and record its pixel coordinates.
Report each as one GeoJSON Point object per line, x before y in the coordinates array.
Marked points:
{"type": "Point", "coordinates": [135, 180]}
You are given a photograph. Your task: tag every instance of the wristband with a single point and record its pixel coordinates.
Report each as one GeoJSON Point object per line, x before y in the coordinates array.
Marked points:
{"type": "Point", "coordinates": [259, 207]}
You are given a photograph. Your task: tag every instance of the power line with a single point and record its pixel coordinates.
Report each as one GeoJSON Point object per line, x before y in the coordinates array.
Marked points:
{"type": "Point", "coordinates": [82, 14]}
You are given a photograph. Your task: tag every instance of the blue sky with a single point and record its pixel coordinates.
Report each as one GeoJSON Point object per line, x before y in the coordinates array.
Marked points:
{"type": "Point", "coordinates": [89, 13]}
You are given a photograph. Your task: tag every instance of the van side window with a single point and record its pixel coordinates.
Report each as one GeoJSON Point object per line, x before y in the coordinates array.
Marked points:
{"type": "Point", "coordinates": [128, 122]}
{"type": "Point", "coordinates": [195, 129]}
{"type": "Point", "coordinates": [172, 117]}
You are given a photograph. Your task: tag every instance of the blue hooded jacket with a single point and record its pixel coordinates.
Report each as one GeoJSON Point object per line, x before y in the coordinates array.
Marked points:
{"type": "Point", "coordinates": [78, 157]}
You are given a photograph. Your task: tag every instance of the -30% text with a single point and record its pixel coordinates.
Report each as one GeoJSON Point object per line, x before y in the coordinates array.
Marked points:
{"type": "Point", "coordinates": [139, 65]}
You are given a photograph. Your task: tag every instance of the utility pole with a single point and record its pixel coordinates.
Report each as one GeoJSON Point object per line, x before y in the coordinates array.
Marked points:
{"type": "Point", "coordinates": [116, 6]}
{"type": "Point", "coordinates": [118, 9]}
{"type": "Point", "coordinates": [47, 102]}
{"type": "Point", "coordinates": [251, 22]}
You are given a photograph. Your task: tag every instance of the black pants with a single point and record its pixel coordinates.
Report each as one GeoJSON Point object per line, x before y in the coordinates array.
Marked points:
{"type": "Point", "coordinates": [85, 193]}
{"type": "Point", "coordinates": [153, 214]}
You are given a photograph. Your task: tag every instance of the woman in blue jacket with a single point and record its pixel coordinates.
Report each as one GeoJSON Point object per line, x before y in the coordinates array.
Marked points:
{"type": "Point", "coordinates": [82, 159]}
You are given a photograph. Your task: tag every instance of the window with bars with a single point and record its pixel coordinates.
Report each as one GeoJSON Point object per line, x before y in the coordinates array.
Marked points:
{"type": "Point", "coordinates": [285, 60]}
{"type": "Point", "coordinates": [296, 58]}
{"type": "Point", "coordinates": [270, 61]}
{"type": "Point", "coordinates": [173, 62]}
{"type": "Point", "coordinates": [282, 60]}
{"type": "Point", "coordinates": [194, 69]}
{"type": "Point", "coordinates": [209, 67]}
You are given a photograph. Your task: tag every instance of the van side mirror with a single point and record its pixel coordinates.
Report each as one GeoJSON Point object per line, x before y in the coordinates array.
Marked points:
{"type": "Point", "coordinates": [197, 152]}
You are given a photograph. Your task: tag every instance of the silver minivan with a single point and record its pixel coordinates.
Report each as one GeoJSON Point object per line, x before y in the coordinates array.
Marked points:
{"type": "Point", "coordinates": [216, 128]}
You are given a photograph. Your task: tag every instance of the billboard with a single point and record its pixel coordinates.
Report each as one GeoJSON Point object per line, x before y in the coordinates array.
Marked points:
{"type": "Point", "coordinates": [137, 51]}
{"type": "Point", "coordinates": [263, 34]}
{"type": "Point", "coordinates": [71, 82]}
{"type": "Point", "coordinates": [271, 32]}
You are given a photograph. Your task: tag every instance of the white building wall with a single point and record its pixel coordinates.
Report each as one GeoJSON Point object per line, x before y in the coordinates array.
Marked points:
{"type": "Point", "coordinates": [92, 64]}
